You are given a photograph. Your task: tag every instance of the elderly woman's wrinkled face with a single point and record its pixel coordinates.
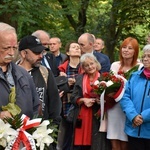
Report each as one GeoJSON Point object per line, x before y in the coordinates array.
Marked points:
{"type": "Point", "coordinates": [146, 59]}
{"type": "Point", "coordinates": [90, 66]}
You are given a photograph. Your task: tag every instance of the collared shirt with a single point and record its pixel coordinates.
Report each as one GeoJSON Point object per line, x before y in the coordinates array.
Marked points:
{"type": "Point", "coordinates": [7, 76]}
{"type": "Point", "coordinates": [45, 62]}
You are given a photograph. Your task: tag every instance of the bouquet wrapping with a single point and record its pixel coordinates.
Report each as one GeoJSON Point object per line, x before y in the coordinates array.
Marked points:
{"type": "Point", "coordinates": [110, 88]}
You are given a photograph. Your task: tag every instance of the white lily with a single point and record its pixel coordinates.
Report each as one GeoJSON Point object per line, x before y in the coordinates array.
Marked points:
{"type": "Point", "coordinates": [5, 129]}
{"type": "Point", "coordinates": [41, 135]}
{"type": "Point", "coordinates": [5, 132]}
{"type": "Point", "coordinates": [109, 83]}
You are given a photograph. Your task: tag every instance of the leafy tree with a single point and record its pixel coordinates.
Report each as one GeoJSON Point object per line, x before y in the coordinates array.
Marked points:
{"type": "Point", "coordinates": [112, 20]}
{"type": "Point", "coordinates": [120, 19]}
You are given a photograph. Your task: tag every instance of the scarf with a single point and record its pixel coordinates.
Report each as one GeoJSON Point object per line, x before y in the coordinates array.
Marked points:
{"type": "Point", "coordinates": [147, 73]}
{"type": "Point", "coordinates": [87, 89]}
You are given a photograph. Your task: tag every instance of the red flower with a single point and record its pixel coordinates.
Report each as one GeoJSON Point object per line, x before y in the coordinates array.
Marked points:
{"type": "Point", "coordinates": [112, 85]}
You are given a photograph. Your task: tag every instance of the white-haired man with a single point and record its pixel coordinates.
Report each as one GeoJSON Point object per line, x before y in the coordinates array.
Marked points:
{"type": "Point", "coordinates": [15, 76]}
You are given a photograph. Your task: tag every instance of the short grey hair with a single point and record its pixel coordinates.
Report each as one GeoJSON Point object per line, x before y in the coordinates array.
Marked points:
{"type": "Point", "coordinates": [146, 47]}
{"type": "Point", "coordinates": [38, 33]}
{"type": "Point", "coordinates": [6, 27]}
{"type": "Point", "coordinates": [57, 38]}
{"type": "Point", "coordinates": [86, 56]}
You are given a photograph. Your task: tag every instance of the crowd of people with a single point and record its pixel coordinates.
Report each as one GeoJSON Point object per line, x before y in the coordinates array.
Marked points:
{"type": "Point", "coordinates": [40, 61]}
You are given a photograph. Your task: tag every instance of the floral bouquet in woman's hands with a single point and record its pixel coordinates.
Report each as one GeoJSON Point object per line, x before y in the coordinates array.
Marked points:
{"type": "Point", "coordinates": [110, 88]}
{"type": "Point", "coordinates": [110, 84]}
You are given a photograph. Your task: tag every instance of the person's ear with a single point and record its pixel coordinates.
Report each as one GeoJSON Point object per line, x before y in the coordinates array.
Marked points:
{"type": "Point", "coordinates": [67, 53]}
{"type": "Point", "coordinates": [23, 53]}
{"type": "Point", "coordinates": [60, 45]}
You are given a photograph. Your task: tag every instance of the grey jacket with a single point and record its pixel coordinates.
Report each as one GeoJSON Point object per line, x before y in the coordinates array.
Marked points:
{"type": "Point", "coordinates": [26, 95]}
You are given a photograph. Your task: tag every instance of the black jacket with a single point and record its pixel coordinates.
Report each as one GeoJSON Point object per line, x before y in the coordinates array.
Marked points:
{"type": "Point", "coordinates": [48, 94]}
{"type": "Point", "coordinates": [52, 63]}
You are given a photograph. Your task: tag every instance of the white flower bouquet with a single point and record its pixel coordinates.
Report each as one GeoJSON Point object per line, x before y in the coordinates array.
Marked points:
{"type": "Point", "coordinates": [25, 134]}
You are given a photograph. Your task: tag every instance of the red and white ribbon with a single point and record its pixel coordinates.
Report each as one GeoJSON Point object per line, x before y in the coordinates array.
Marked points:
{"type": "Point", "coordinates": [117, 97]}
{"type": "Point", "coordinates": [24, 137]}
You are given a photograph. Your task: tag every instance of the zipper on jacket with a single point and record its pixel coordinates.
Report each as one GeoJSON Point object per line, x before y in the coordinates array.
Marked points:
{"type": "Point", "coordinates": [142, 104]}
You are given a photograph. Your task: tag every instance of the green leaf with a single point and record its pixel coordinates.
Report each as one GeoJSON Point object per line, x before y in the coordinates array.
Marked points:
{"type": "Point", "coordinates": [11, 106]}
{"type": "Point", "coordinates": [127, 74]}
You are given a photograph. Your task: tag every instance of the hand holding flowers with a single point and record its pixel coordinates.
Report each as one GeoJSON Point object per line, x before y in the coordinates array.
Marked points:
{"type": "Point", "coordinates": [110, 88]}
{"type": "Point", "coordinates": [32, 134]}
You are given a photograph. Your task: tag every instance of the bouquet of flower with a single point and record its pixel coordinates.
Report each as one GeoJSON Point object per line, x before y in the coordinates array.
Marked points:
{"type": "Point", "coordinates": [23, 133]}
{"type": "Point", "coordinates": [110, 88]}
{"type": "Point", "coordinates": [109, 83]}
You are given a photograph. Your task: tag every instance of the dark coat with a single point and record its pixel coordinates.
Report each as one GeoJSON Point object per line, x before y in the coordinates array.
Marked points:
{"type": "Point", "coordinates": [52, 63]}
{"type": "Point", "coordinates": [103, 60]}
{"type": "Point", "coordinates": [48, 93]}
{"type": "Point", "coordinates": [99, 141]}
{"type": "Point", "coordinates": [26, 95]}
{"type": "Point", "coordinates": [63, 57]}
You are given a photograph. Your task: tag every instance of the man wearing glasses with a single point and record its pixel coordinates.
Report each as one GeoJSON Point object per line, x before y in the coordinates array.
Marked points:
{"type": "Point", "coordinates": [13, 76]}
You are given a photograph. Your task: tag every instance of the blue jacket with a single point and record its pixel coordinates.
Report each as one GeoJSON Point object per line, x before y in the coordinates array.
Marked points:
{"type": "Point", "coordinates": [136, 100]}
{"type": "Point", "coordinates": [103, 60]}
{"type": "Point", "coordinates": [26, 95]}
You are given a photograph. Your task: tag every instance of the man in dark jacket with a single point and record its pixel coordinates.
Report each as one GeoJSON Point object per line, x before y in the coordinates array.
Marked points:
{"type": "Point", "coordinates": [48, 59]}
{"type": "Point", "coordinates": [31, 52]}
{"type": "Point", "coordinates": [86, 41]}
{"type": "Point", "coordinates": [12, 75]}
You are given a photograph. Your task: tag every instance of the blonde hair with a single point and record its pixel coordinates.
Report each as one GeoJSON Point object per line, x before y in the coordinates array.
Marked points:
{"type": "Point", "coordinates": [86, 56]}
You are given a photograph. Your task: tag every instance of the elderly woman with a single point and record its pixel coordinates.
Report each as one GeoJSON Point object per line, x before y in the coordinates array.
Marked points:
{"type": "Point", "coordinates": [136, 105]}
{"type": "Point", "coordinates": [86, 125]}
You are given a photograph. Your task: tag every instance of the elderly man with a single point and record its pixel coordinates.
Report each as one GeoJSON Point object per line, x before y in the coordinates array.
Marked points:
{"type": "Point", "coordinates": [86, 42]}
{"type": "Point", "coordinates": [48, 59]}
{"type": "Point", "coordinates": [31, 52]}
{"type": "Point", "coordinates": [14, 76]}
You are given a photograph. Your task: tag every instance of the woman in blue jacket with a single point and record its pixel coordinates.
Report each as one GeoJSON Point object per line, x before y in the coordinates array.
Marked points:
{"type": "Point", "coordinates": [136, 105]}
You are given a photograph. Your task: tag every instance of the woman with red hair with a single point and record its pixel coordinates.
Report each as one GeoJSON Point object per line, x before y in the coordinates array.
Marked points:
{"type": "Point", "coordinates": [129, 51]}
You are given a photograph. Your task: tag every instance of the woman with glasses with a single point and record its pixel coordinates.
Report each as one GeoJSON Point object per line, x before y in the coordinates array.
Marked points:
{"type": "Point", "coordinates": [136, 105]}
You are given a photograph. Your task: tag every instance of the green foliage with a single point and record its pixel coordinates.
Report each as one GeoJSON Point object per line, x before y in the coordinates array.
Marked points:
{"type": "Point", "coordinates": [112, 20]}
{"type": "Point", "coordinates": [11, 106]}
{"type": "Point", "coordinates": [15, 122]}
{"type": "Point", "coordinates": [128, 74]}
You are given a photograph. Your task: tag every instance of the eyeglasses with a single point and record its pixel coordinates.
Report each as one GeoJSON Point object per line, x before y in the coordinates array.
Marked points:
{"type": "Point", "coordinates": [146, 56]}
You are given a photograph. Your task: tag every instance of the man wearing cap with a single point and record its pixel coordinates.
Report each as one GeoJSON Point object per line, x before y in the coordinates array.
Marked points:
{"type": "Point", "coordinates": [14, 77]}
{"type": "Point", "coordinates": [31, 52]}
{"type": "Point", "coordinates": [48, 59]}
